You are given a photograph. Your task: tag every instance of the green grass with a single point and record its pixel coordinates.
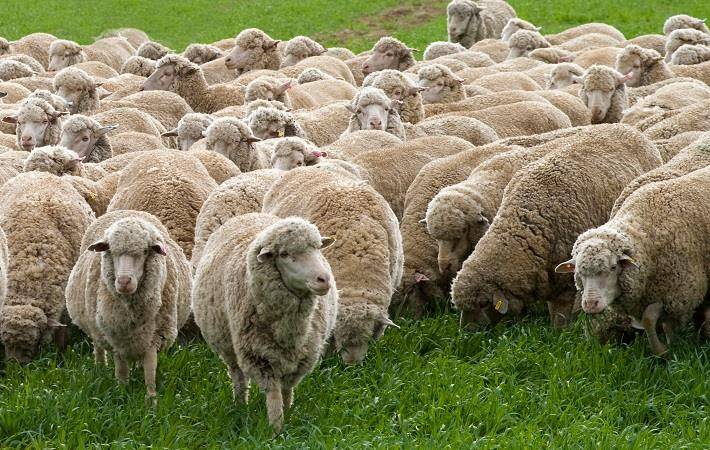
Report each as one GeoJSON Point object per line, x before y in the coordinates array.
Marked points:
{"type": "Point", "coordinates": [426, 385]}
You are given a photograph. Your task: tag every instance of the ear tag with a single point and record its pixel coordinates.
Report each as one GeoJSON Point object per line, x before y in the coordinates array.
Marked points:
{"type": "Point", "coordinates": [281, 133]}
{"type": "Point", "coordinates": [500, 304]}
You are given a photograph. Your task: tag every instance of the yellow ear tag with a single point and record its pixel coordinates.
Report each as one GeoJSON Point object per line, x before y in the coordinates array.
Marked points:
{"type": "Point", "coordinates": [281, 133]}
{"type": "Point", "coordinates": [500, 304]}
{"type": "Point", "coordinates": [91, 196]}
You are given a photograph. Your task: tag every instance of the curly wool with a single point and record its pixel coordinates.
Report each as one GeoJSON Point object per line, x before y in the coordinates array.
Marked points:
{"type": "Point", "coordinates": [256, 104]}
{"type": "Point", "coordinates": [191, 128]}
{"type": "Point", "coordinates": [441, 48]}
{"type": "Point", "coordinates": [229, 136]}
{"type": "Point", "coordinates": [38, 110]}
{"type": "Point", "coordinates": [77, 80]}
{"type": "Point", "coordinates": [684, 36]}
{"type": "Point", "coordinates": [264, 122]}
{"type": "Point", "coordinates": [400, 87]}
{"type": "Point", "coordinates": [267, 88]}
{"type": "Point", "coordinates": [202, 53]}
{"type": "Point", "coordinates": [561, 75]}
{"type": "Point", "coordinates": [73, 52]}
{"type": "Point", "coordinates": [486, 19]}
{"type": "Point", "coordinates": [138, 65]}
{"type": "Point", "coordinates": [302, 47]}
{"type": "Point", "coordinates": [404, 53]}
{"type": "Point", "coordinates": [516, 24]}
{"type": "Point", "coordinates": [57, 102]}
{"type": "Point", "coordinates": [653, 68]}
{"type": "Point", "coordinates": [56, 160]}
{"type": "Point", "coordinates": [370, 96]}
{"type": "Point", "coordinates": [312, 74]}
{"type": "Point", "coordinates": [11, 69]}
{"type": "Point", "coordinates": [255, 40]}
{"type": "Point", "coordinates": [289, 146]}
{"type": "Point", "coordinates": [152, 50]}
{"type": "Point", "coordinates": [550, 55]}
{"type": "Point", "coordinates": [691, 54]}
{"type": "Point", "coordinates": [27, 60]}
{"type": "Point", "coordinates": [690, 118]}
{"type": "Point", "coordinates": [4, 46]}
{"type": "Point", "coordinates": [102, 147]}
{"type": "Point", "coordinates": [606, 79]}
{"type": "Point", "coordinates": [681, 21]}
{"type": "Point", "coordinates": [525, 41]}
{"type": "Point", "coordinates": [454, 88]}
{"type": "Point", "coordinates": [587, 28]}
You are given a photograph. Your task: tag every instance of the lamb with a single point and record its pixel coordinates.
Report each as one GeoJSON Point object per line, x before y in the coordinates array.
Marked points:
{"type": "Point", "coordinates": [604, 93]}
{"type": "Point", "coordinates": [631, 263]}
{"type": "Point", "coordinates": [684, 21]}
{"type": "Point", "coordinates": [300, 48]}
{"type": "Point", "coordinates": [312, 74]}
{"type": "Point", "coordinates": [11, 69]}
{"type": "Point", "coordinates": [563, 75]}
{"type": "Point", "coordinates": [441, 48]}
{"type": "Point", "coordinates": [112, 51]}
{"type": "Point", "coordinates": [398, 86]}
{"type": "Point", "coordinates": [682, 37]}
{"type": "Point", "coordinates": [581, 30]}
{"type": "Point", "coordinates": [373, 110]}
{"type": "Point", "coordinates": [44, 219]}
{"type": "Point", "coordinates": [76, 86]}
{"type": "Point", "coordinates": [440, 85]}
{"type": "Point", "coordinates": [469, 22]}
{"type": "Point", "coordinates": [240, 195]}
{"type": "Point", "coordinates": [152, 50]}
{"type": "Point", "coordinates": [287, 285]}
{"type": "Point", "coordinates": [38, 124]}
{"type": "Point", "coordinates": [87, 138]}
{"type": "Point", "coordinates": [233, 139]}
{"type": "Point", "coordinates": [176, 74]}
{"type": "Point", "coordinates": [190, 129]}
{"type": "Point", "coordinates": [138, 65]}
{"type": "Point", "coordinates": [388, 53]}
{"type": "Point", "coordinates": [269, 122]}
{"type": "Point", "coordinates": [170, 185]}
{"type": "Point", "coordinates": [202, 53]}
{"type": "Point", "coordinates": [253, 50]}
{"type": "Point", "coordinates": [522, 42]}
{"type": "Point", "coordinates": [367, 261]}
{"type": "Point", "coordinates": [292, 152]}
{"type": "Point", "coordinates": [589, 169]}
{"type": "Point", "coordinates": [130, 291]}
{"type": "Point", "coordinates": [691, 54]}
{"type": "Point", "coordinates": [514, 25]}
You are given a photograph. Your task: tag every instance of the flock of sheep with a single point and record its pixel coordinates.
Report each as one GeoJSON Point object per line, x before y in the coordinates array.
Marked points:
{"type": "Point", "coordinates": [283, 196]}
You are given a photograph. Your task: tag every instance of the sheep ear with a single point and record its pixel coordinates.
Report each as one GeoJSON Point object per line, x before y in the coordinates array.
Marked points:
{"type": "Point", "coordinates": [423, 221]}
{"type": "Point", "coordinates": [10, 119]}
{"type": "Point", "coordinates": [159, 248]}
{"type": "Point", "coordinates": [100, 246]}
{"type": "Point", "coordinates": [264, 255]}
{"type": "Point", "coordinates": [3, 94]}
{"type": "Point", "coordinates": [628, 262]}
{"type": "Point", "coordinates": [538, 28]}
{"type": "Point", "coordinates": [566, 267]}
{"type": "Point", "coordinates": [576, 79]}
{"type": "Point", "coordinates": [53, 323]}
{"type": "Point", "coordinates": [500, 303]}
{"type": "Point", "coordinates": [386, 321]}
{"type": "Point", "coordinates": [270, 44]}
{"type": "Point", "coordinates": [477, 10]}
{"type": "Point", "coordinates": [173, 133]}
{"type": "Point", "coordinates": [251, 140]}
{"type": "Point", "coordinates": [284, 87]}
{"type": "Point", "coordinates": [103, 130]}
{"type": "Point", "coordinates": [326, 241]}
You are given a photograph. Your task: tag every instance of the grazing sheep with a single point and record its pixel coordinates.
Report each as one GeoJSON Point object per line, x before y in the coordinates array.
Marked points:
{"type": "Point", "coordinates": [233, 139]}
{"type": "Point", "coordinates": [631, 263]}
{"type": "Point", "coordinates": [267, 123]}
{"type": "Point", "coordinates": [366, 261]}
{"type": "Point", "coordinates": [170, 185]}
{"type": "Point", "coordinates": [440, 85]}
{"type": "Point", "coordinates": [176, 74]}
{"type": "Point", "coordinates": [44, 218]}
{"type": "Point", "coordinates": [398, 86]}
{"type": "Point", "coordinates": [312, 74]}
{"type": "Point", "coordinates": [681, 21]}
{"type": "Point", "coordinates": [253, 50]}
{"type": "Point", "coordinates": [441, 48]}
{"type": "Point", "coordinates": [272, 325]}
{"type": "Point", "coordinates": [138, 65]}
{"type": "Point", "coordinates": [112, 51]}
{"type": "Point", "coordinates": [388, 53]}
{"type": "Point", "coordinates": [130, 291]}
{"type": "Point", "coordinates": [469, 22]}
{"type": "Point", "coordinates": [516, 24]}
{"type": "Point", "coordinates": [190, 129]}
{"type": "Point", "coordinates": [536, 228]}
{"type": "Point", "coordinates": [38, 124]}
{"type": "Point", "coordinates": [684, 36]}
{"type": "Point", "coordinates": [604, 93]}
{"type": "Point", "coordinates": [522, 42]}
{"type": "Point", "coordinates": [77, 87]}
{"type": "Point", "coordinates": [563, 75]}
{"type": "Point", "coordinates": [373, 110]}
{"type": "Point", "coordinates": [300, 48]}
{"type": "Point", "coordinates": [292, 152]}
{"type": "Point", "coordinates": [87, 138]}
{"type": "Point", "coordinates": [11, 69]}
{"type": "Point", "coordinates": [691, 54]}
{"type": "Point", "coordinates": [152, 50]}
{"type": "Point", "coordinates": [584, 29]}
{"type": "Point", "coordinates": [202, 53]}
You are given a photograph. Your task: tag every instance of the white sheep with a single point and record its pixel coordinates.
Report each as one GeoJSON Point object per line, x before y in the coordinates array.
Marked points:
{"type": "Point", "coordinates": [373, 110]}
{"type": "Point", "coordinates": [38, 124]}
{"type": "Point", "coordinates": [388, 53]}
{"type": "Point", "coordinates": [300, 48]}
{"type": "Point", "coordinates": [190, 129]}
{"type": "Point", "coordinates": [469, 22]}
{"type": "Point", "coordinates": [604, 93]}
{"type": "Point", "coordinates": [77, 87]}
{"type": "Point", "coordinates": [253, 50]}
{"type": "Point", "coordinates": [152, 50]}
{"type": "Point", "coordinates": [87, 138]}
{"type": "Point", "coordinates": [233, 139]}
{"type": "Point", "coordinates": [202, 53]}
{"type": "Point", "coordinates": [441, 48]}
{"type": "Point", "coordinates": [440, 85]}
{"type": "Point", "coordinates": [269, 122]}
{"type": "Point", "coordinates": [514, 25]}
{"type": "Point", "coordinates": [681, 21]}
{"type": "Point", "coordinates": [112, 51]}
{"type": "Point", "coordinates": [292, 152]}
{"type": "Point", "coordinates": [691, 54]}
{"type": "Point", "coordinates": [399, 87]}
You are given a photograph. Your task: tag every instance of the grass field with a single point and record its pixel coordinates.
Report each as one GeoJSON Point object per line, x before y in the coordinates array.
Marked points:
{"type": "Point", "coordinates": [426, 385]}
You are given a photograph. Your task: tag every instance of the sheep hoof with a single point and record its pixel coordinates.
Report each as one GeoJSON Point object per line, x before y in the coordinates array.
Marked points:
{"type": "Point", "coordinates": [151, 400]}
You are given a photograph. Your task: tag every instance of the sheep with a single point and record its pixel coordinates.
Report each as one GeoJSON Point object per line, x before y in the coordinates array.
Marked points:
{"type": "Point", "coordinates": [584, 29]}
{"type": "Point", "coordinates": [326, 124]}
{"type": "Point", "coordinates": [170, 185]}
{"type": "Point", "coordinates": [691, 118]}
{"type": "Point", "coordinates": [480, 102]}
{"type": "Point", "coordinates": [332, 66]}
{"type": "Point", "coordinates": [350, 145]}
{"type": "Point", "coordinates": [97, 70]}
{"type": "Point", "coordinates": [604, 93]}
{"type": "Point", "coordinates": [589, 41]}
{"type": "Point", "coordinates": [219, 167]}
{"type": "Point", "coordinates": [152, 50]}
{"type": "Point", "coordinates": [35, 45]}
{"type": "Point", "coordinates": [469, 22]}
{"type": "Point", "coordinates": [138, 65]}
{"type": "Point", "coordinates": [472, 59]}
{"type": "Point", "coordinates": [202, 53]}
{"type": "Point", "coordinates": [516, 24]}
{"type": "Point", "coordinates": [682, 37]}
{"type": "Point", "coordinates": [441, 48]}
{"type": "Point", "coordinates": [569, 104]}
{"type": "Point", "coordinates": [233, 139]}
{"type": "Point", "coordinates": [669, 148]}
{"type": "Point", "coordinates": [253, 50]}
{"type": "Point", "coordinates": [176, 74]}
{"type": "Point", "coordinates": [15, 92]}
{"type": "Point", "coordinates": [373, 110]}
{"type": "Point", "coordinates": [506, 81]}
{"type": "Point", "coordinates": [562, 75]}
{"type": "Point", "coordinates": [522, 42]}
{"type": "Point", "coordinates": [631, 263]}
{"type": "Point", "coordinates": [240, 195]}
{"type": "Point", "coordinates": [681, 21]}
{"type": "Point", "coordinates": [340, 53]}
{"type": "Point", "coordinates": [691, 54]}
{"type": "Point", "coordinates": [440, 85]}
{"type": "Point", "coordinates": [131, 119]}
{"type": "Point", "coordinates": [312, 74]}
{"type": "Point", "coordinates": [603, 56]}
{"type": "Point", "coordinates": [550, 55]}
{"type": "Point", "coordinates": [133, 141]}
{"type": "Point", "coordinates": [397, 86]}
{"type": "Point", "coordinates": [269, 122]}
{"type": "Point", "coordinates": [269, 88]}
{"type": "Point", "coordinates": [311, 95]}
{"type": "Point", "coordinates": [388, 53]}
{"type": "Point", "coordinates": [292, 152]}
{"type": "Point", "coordinates": [44, 218]}
{"type": "Point", "coordinates": [190, 129]}
{"type": "Point", "coordinates": [130, 291]}
{"type": "Point", "coordinates": [467, 128]}
{"type": "Point", "coordinates": [87, 138]}
{"type": "Point", "coordinates": [112, 51]}
{"type": "Point", "coordinates": [57, 160]}
{"type": "Point", "coordinates": [76, 86]}
{"type": "Point", "coordinates": [368, 253]}
{"type": "Point", "coordinates": [300, 48]}
{"type": "Point", "coordinates": [589, 169]}
{"type": "Point", "coordinates": [655, 42]}
{"type": "Point", "coordinates": [11, 69]}
{"type": "Point", "coordinates": [286, 301]}
{"type": "Point", "coordinates": [135, 36]}
{"type": "Point", "coordinates": [496, 49]}
{"type": "Point", "coordinates": [57, 102]}
{"type": "Point", "coordinates": [671, 97]}
{"type": "Point", "coordinates": [167, 107]}
{"type": "Point", "coordinates": [38, 124]}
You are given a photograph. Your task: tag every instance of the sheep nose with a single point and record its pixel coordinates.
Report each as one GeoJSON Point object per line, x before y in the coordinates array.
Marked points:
{"type": "Point", "coordinates": [26, 139]}
{"type": "Point", "coordinates": [122, 282]}
{"type": "Point", "coordinates": [444, 267]}
{"type": "Point", "coordinates": [376, 124]}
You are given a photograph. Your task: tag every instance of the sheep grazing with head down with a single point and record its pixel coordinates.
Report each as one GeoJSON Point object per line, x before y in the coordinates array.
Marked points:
{"type": "Point", "coordinates": [233, 139]}
{"type": "Point", "coordinates": [691, 54]}
{"type": "Point", "coordinates": [300, 48]}
{"type": "Point", "coordinates": [516, 24]}
{"type": "Point", "coordinates": [152, 50]}
{"type": "Point", "coordinates": [253, 50]}
{"type": "Point", "coordinates": [11, 69]}
{"type": "Point", "coordinates": [266, 302]}
{"type": "Point", "coordinates": [268, 88]}
{"type": "Point", "coordinates": [440, 85]}
{"type": "Point", "coordinates": [76, 86]}
{"type": "Point", "coordinates": [373, 110]}
{"type": "Point", "coordinates": [681, 21]}
{"type": "Point", "coordinates": [190, 129]}
{"type": "Point", "coordinates": [399, 87]}
{"type": "Point", "coordinates": [604, 93]}
{"type": "Point", "coordinates": [38, 124]}
{"type": "Point", "coordinates": [441, 48]}
{"type": "Point", "coordinates": [293, 152]}
{"type": "Point", "coordinates": [138, 65]}
{"type": "Point", "coordinates": [562, 75]}
{"type": "Point", "coordinates": [684, 36]}
{"type": "Point", "coordinates": [312, 74]}
{"type": "Point", "coordinates": [522, 42]}
{"type": "Point", "coordinates": [268, 123]}
{"type": "Point", "coordinates": [469, 22]}
{"type": "Point", "coordinates": [130, 291]}
{"type": "Point", "coordinates": [87, 138]}
{"type": "Point", "coordinates": [388, 53]}
{"type": "Point", "coordinates": [202, 53]}
{"type": "Point", "coordinates": [56, 160]}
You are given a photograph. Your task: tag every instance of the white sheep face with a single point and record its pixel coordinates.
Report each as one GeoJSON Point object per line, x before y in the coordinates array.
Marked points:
{"type": "Point", "coordinates": [288, 162]}
{"type": "Point", "coordinates": [162, 79]}
{"type": "Point", "coordinates": [598, 103]}
{"type": "Point", "coordinates": [32, 132]}
{"type": "Point", "coordinates": [126, 266]}
{"type": "Point", "coordinates": [631, 65]}
{"type": "Point", "coordinates": [304, 273]}
{"type": "Point", "coordinates": [434, 90]}
{"type": "Point", "coordinates": [381, 61]}
{"type": "Point", "coordinates": [373, 117]}
{"type": "Point", "coordinates": [517, 52]}
{"type": "Point", "coordinates": [291, 60]}
{"type": "Point", "coordinates": [59, 62]}
{"type": "Point", "coordinates": [83, 141]}
{"type": "Point", "coordinates": [72, 96]}
{"type": "Point", "coordinates": [458, 22]}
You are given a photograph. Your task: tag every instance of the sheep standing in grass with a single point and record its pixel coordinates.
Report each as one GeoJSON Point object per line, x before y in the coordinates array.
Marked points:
{"type": "Point", "coordinates": [253, 50]}
{"type": "Point", "coordinates": [77, 87]}
{"type": "Point", "coordinates": [176, 74]}
{"type": "Point", "coordinates": [399, 87]}
{"type": "Point", "coordinates": [130, 291]}
{"type": "Point", "coordinates": [651, 260]}
{"type": "Point", "coordinates": [522, 42]}
{"type": "Point", "coordinates": [373, 110]}
{"type": "Point", "coordinates": [293, 152]}
{"type": "Point", "coordinates": [87, 138]}
{"type": "Point", "coordinates": [190, 129]}
{"type": "Point", "coordinates": [440, 85]}
{"type": "Point", "coordinates": [268, 123]}
{"type": "Point", "coordinates": [266, 302]}
{"type": "Point", "coordinates": [681, 21]}
{"type": "Point", "coordinates": [388, 53]}
{"type": "Point", "coordinates": [604, 93]}
{"type": "Point", "coordinates": [233, 139]}
{"type": "Point", "coordinates": [202, 53]}
{"type": "Point", "coordinates": [300, 48]}
{"type": "Point", "coordinates": [152, 50]}
{"type": "Point", "coordinates": [685, 36]}
{"type": "Point", "coordinates": [469, 22]}
{"type": "Point", "coordinates": [691, 54]}
{"type": "Point", "coordinates": [38, 124]}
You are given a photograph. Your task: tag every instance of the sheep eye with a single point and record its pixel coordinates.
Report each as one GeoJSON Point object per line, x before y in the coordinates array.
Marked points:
{"type": "Point", "coordinates": [390, 54]}
{"type": "Point", "coordinates": [299, 163]}
{"type": "Point", "coordinates": [359, 111]}
{"type": "Point", "coordinates": [283, 255]}
{"type": "Point", "coordinates": [85, 139]}
{"type": "Point", "coordinates": [45, 121]}
{"type": "Point", "coordinates": [613, 267]}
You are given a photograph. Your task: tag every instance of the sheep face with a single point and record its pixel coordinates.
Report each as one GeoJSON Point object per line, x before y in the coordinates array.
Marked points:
{"type": "Point", "coordinates": [31, 128]}
{"type": "Point", "coordinates": [288, 162]}
{"type": "Point", "coordinates": [358, 325]}
{"type": "Point", "coordinates": [242, 59]}
{"type": "Point", "coordinates": [83, 141]}
{"type": "Point", "coordinates": [560, 78]}
{"type": "Point", "coordinates": [67, 58]}
{"type": "Point", "coordinates": [632, 65]}
{"type": "Point", "coordinates": [388, 59]}
{"type": "Point", "coordinates": [374, 116]}
{"type": "Point", "coordinates": [72, 95]}
{"type": "Point", "coordinates": [453, 252]}
{"type": "Point", "coordinates": [22, 330]}
{"type": "Point", "coordinates": [434, 91]}
{"type": "Point", "coordinates": [460, 17]}
{"type": "Point", "coordinates": [162, 79]}
{"type": "Point", "coordinates": [304, 272]}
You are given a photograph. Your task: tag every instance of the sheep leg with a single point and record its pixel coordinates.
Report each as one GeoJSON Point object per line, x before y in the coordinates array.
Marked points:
{"type": "Point", "coordinates": [100, 355]}
{"type": "Point", "coordinates": [705, 326]}
{"type": "Point", "coordinates": [648, 320]}
{"type": "Point", "coordinates": [562, 310]}
{"type": "Point", "coordinates": [121, 368]}
{"type": "Point", "coordinates": [60, 338]}
{"type": "Point", "coordinates": [275, 406]}
{"type": "Point", "coordinates": [287, 392]}
{"type": "Point", "coordinates": [240, 387]}
{"type": "Point", "coordinates": [150, 364]}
